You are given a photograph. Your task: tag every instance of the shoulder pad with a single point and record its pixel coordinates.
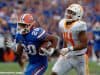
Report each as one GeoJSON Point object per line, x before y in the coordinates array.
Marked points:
{"type": "Point", "coordinates": [61, 24]}
{"type": "Point", "coordinates": [40, 32]}
{"type": "Point", "coordinates": [81, 26]}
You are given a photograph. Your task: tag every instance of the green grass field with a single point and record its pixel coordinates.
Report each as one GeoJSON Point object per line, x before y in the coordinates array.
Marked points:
{"type": "Point", "coordinates": [14, 67]}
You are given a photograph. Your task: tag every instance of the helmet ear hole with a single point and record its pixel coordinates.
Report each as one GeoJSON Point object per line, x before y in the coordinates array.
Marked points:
{"type": "Point", "coordinates": [78, 16]}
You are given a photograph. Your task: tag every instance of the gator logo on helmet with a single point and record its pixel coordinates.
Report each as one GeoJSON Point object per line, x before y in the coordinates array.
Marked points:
{"type": "Point", "coordinates": [26, 18]}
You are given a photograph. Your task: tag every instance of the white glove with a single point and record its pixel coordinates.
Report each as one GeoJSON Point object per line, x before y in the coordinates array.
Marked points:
{"type": "Point", "coordinates": [49, 51]}
{"type": "Point", "coordinates": [64, 51]}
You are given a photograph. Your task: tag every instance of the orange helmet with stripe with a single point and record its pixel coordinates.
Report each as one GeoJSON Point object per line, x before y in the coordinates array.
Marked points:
{"type": "Point", "coordinates": [26, 19]}
{"type": "Point", "coordinates": [25, 23]}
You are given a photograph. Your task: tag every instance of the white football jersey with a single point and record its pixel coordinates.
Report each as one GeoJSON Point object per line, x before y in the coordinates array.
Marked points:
{"type": "Point", "coordinates": [70, 33]}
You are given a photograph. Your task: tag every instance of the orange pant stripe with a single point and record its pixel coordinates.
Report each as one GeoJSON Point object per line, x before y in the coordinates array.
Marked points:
{"type": "Point", "coordinates": [86, 65]}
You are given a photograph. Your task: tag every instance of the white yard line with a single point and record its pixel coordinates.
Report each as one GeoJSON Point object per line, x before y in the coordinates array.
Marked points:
{"type": "Point", "coordinates": [11, 73]}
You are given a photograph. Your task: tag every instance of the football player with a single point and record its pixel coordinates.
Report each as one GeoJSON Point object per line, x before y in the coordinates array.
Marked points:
{"type": "Point", "coordinates": [74, 32]}
{"type": "Point", "coordinates": [96, 42]}
{"type": "Point", "coordinates": [33, 40]}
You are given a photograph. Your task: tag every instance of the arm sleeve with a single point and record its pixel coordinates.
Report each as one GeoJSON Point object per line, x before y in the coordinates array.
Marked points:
{"type": "Point", "coordinates": [42, 34]}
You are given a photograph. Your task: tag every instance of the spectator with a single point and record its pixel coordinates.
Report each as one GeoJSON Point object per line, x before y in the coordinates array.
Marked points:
{"type": "Point", "coordinates": [96, 45]}
{"type": "Point", "coordinates": [9, 55]}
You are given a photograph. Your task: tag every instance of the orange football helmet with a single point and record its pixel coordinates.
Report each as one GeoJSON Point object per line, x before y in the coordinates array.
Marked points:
{"type": "Point", "coordinates": [25, 23]}
{"type": "Point", "coordinates": [26, 19]}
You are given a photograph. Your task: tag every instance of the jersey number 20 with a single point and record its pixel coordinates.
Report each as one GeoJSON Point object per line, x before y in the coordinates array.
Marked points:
{"type": "Point", "coordinates": [30, 49]}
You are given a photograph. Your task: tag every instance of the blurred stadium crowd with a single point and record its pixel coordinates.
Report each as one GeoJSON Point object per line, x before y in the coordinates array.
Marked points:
{"type": "Point", "coordinates": [47, 12]}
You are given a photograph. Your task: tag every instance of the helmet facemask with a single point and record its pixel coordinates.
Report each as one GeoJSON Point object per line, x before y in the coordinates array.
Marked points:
{"type": "Point", "coordinates": [70, 15]}
{"type": "Point", "coordinates": [23, 28]}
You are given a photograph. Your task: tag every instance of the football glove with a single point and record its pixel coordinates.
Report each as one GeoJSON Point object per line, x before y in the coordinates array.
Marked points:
{"type": "Point", "coordinates": [48, 52]}
{"type": "Point", "coordinates": [64, 51]}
